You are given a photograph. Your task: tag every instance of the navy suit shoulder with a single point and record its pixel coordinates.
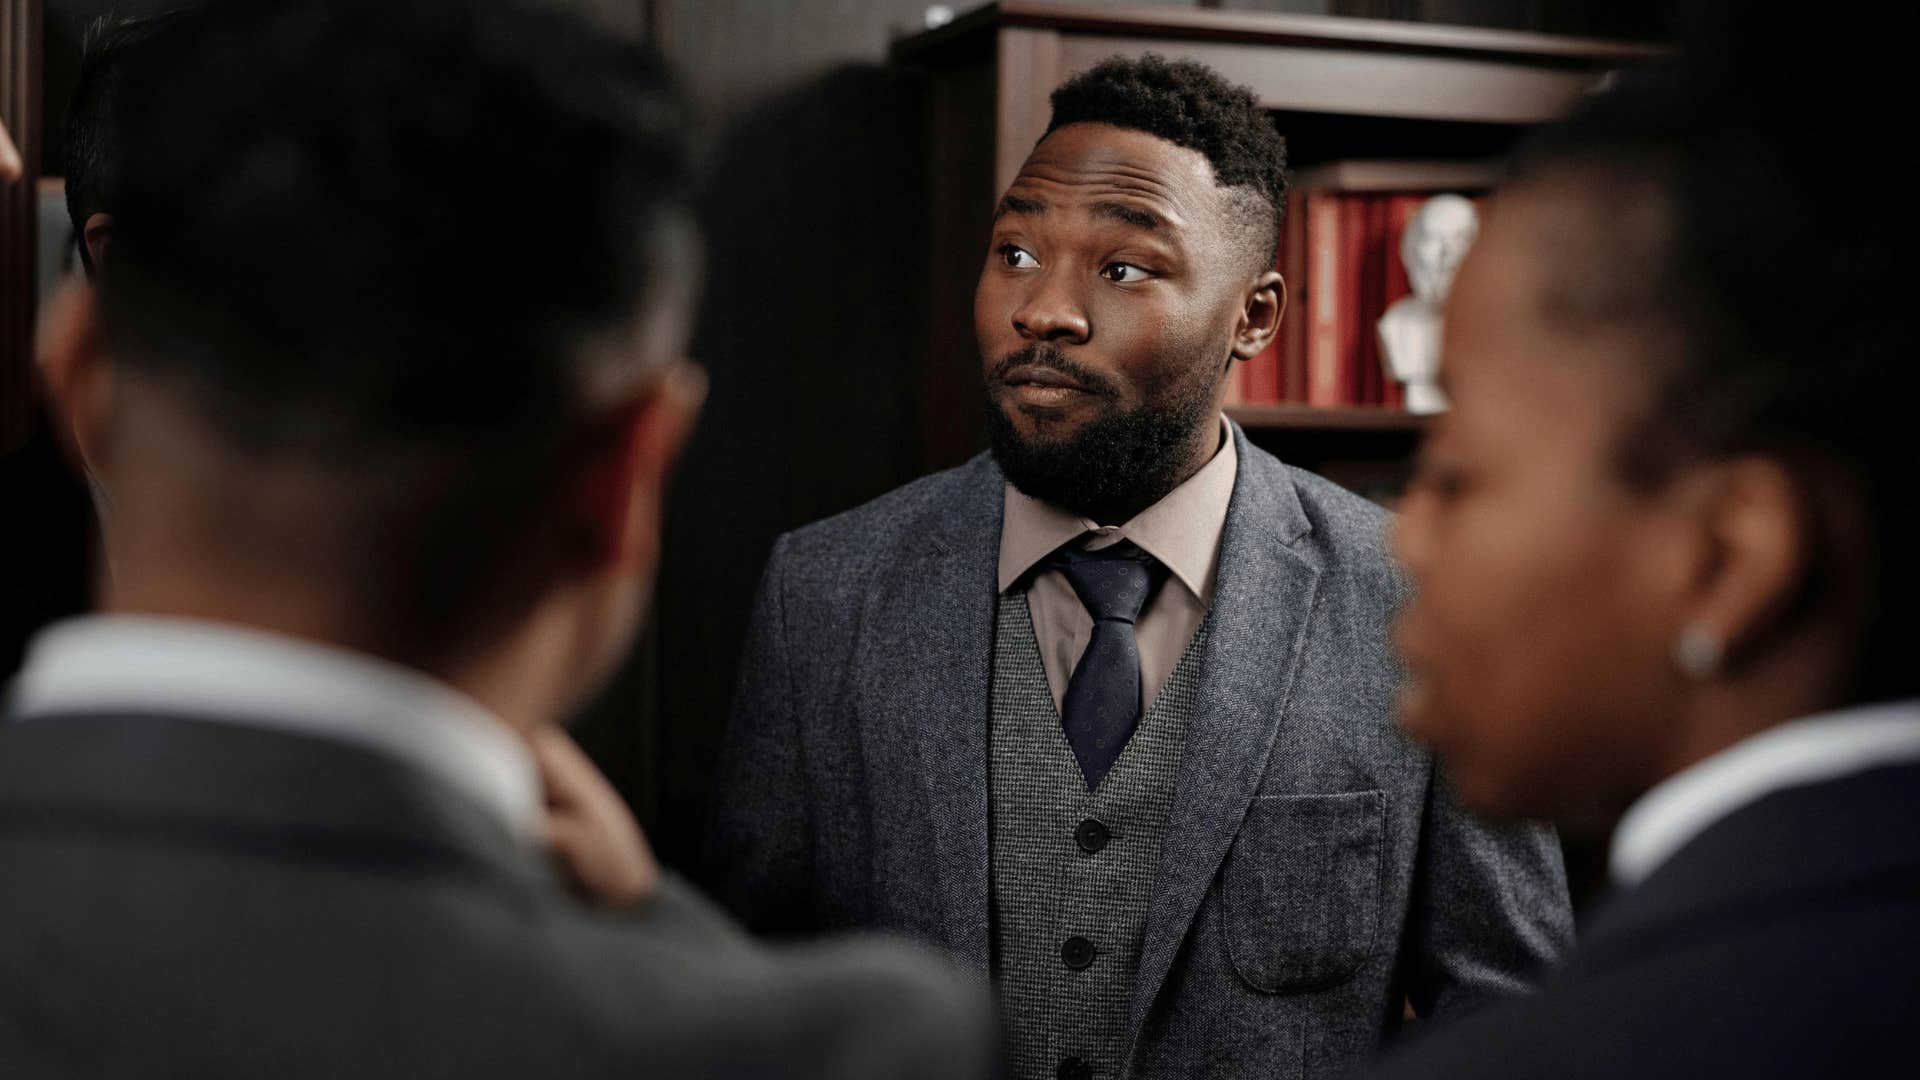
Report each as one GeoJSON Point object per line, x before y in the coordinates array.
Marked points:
{"type": "Point", "coordinates": [1781, 942]}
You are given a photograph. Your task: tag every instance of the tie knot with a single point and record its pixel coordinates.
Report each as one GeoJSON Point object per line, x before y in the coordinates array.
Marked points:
{"type": "Point", "coordinates": [1113, 584]}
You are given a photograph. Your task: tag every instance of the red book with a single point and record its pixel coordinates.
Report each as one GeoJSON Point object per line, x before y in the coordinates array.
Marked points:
{"type": "Point", "coordinates": [1299, 313]}
{"type": "Point", "coordinates": [1400, 210]}
{"type": "Point", "coordinates": [1326, 260]}
{"type": "Point", "coordinates": [1352, 296]}
{"type": "Point", "coordinates": [1373, 291]}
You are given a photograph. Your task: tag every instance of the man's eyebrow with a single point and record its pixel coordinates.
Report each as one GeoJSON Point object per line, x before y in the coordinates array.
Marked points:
{"type": "Point", "coordinates": [1015, 204]}
{"type": "Point", "coordinates": [1127, 215]}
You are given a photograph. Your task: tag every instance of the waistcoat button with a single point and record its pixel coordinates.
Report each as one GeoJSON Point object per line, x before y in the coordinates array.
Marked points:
{"type": "Point", "coordinates": [1076, 952]}
{"type": "Point", "coordinates": [1092, 836]}
{"type": "Point", "coordinates": [1073, 1069]}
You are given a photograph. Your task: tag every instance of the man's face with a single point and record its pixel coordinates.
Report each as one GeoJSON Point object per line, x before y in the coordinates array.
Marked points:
{"type": "Point", "coordinates": [1537, 669]}
{"type": "Point", "coordinates": [1106, 313]}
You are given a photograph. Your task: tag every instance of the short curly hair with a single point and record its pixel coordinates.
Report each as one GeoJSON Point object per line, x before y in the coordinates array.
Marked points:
{"type": "Point", "coordinates": [1189, 104]}
{"type": "Point", "coordinates": [90, 149]}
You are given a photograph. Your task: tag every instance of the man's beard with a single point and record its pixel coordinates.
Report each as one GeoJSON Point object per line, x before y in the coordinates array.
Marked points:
{"type": "Point", "coordinates": [1116, 464]}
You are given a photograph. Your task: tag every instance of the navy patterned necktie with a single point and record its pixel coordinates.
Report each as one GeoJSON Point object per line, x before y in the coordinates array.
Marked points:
{"type": "Point", "coordinates": [1102, 705]}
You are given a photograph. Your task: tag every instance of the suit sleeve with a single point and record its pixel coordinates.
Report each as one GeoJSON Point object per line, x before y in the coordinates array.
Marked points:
{"type": "Point", "coordinates": [1490, 912]}
{"type": "Point", "coordinates": [759, 853]}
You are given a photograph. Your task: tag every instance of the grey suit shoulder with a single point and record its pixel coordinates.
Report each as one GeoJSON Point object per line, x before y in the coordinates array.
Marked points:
{"type": "Point", "coordinates": [195, 898]}
{"type": "Point", "coordinates": [1335, 530]}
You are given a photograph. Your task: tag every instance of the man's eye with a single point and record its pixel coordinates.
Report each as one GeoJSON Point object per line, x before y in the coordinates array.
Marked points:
{"type": "Point", "coordinates": [1123, 273]}
{"type": "Point", "coordinates": [1017, 257]}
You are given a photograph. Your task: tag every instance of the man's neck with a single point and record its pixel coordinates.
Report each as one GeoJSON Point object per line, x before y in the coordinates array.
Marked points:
{"type": "Point", "coordinates": [500, 676]}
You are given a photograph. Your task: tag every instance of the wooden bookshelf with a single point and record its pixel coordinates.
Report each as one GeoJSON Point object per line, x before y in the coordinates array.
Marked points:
{"type": "Point", "coordinates": [1340, 90]}
{"type": "Point", "coordinates": [20, 29]}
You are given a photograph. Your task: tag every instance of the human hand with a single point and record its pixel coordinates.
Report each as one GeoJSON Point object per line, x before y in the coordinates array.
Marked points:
{"type": "Point", "coordinates": [593, 837]}
{"type": "Point", "coordinates": [10, 163]}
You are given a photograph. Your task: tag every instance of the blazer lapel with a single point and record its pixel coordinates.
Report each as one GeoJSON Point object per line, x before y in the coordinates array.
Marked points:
{"type": "Point", "coordinates": [1263, 599]}
{"type": "Point", "coordinates": [930, 636]}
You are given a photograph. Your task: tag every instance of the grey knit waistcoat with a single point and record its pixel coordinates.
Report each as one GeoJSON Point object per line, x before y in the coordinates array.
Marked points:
{"type": "Point", "coordinates": [1072, 870]}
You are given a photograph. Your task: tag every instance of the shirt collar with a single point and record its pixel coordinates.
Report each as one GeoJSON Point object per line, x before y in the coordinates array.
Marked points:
{"type": "Point", "coordinates": [206, 670]}
{"type": "Point", "coordinates": [1182, 530]}
{"type": "Point", "coordinates": [1795, 754]}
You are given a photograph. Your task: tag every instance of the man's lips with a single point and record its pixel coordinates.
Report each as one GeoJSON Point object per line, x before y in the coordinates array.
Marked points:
{"type": "Point", "coordinates": [1031, 375]}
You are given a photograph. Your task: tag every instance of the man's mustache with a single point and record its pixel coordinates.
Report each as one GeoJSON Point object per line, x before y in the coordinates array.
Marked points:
{"type": "Point", "coordinates": [1050, 358]}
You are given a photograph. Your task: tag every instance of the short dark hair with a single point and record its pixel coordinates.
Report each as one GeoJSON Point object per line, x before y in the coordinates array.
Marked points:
{"type": "Point", "coordinates": [1189, 104]}
{"type": "Point", "coordinates": [1780, 301]}
{"type": "Point", "coordinates": [90, 147]}
{"type": "Point", "coordinates": [372, 232]}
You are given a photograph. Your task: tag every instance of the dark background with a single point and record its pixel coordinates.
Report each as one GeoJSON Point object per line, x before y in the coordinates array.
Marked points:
{"type": "Point", "coordinates": [808, 328]}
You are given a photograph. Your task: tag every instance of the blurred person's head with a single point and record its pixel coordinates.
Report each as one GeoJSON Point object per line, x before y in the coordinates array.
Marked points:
{"type": "Point", "coordinates": [1668, 509]}
{"type": "Point", "coordinates": [91, 150]}
{"type": "Point", "coordinates": [1131, 263]}
{"type": "Point", "coordinates": [365, 390]}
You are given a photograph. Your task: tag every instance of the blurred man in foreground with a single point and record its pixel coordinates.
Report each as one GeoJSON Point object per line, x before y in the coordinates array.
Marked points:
{"type": "Point", "coordinates": [1663, 554]}
{"type": "Point", "coordinates": [388, 454]}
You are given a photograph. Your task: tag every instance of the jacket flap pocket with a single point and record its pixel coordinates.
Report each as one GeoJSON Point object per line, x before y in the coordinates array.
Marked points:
{"type": "Point", "coordinates": [1300, 894]}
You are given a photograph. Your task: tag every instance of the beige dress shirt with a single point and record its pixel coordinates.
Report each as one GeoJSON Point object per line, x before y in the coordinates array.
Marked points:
{"type": "Point", "coordinates": [1182, 530]}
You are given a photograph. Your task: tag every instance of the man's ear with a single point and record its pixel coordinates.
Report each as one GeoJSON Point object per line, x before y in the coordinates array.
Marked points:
{"type": "Point", "coordinates": [1756, 552]}
{"type": "Point", "coordinates": [1260, 315]}
{"type": "Point", "coordinates": [97, 235]}
{"type": "Point", "coordinates": [627, 486]}
{"type": "Point", "coordinates": [77, 377]}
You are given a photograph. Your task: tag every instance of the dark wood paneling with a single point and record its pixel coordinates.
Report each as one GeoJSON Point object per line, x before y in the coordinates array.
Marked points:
{"type": "Point", "coordinates": [962, 149]}
{"type": "Point", "coordinates": [812, 331]}
{"type": "Point", "coordinates": [19, 217]}
{"type": "Point", "coordinates": [42, 505]}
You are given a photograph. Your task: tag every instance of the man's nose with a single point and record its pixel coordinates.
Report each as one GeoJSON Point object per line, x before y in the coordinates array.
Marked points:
{"type": "Point", "coordinates": [1051, 312]}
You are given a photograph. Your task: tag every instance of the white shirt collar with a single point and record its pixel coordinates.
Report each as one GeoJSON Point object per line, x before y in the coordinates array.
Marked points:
{"type": "Point", "coordinates": [213, 671]}
{"type": "Point", "coordinates": [1795, 754]}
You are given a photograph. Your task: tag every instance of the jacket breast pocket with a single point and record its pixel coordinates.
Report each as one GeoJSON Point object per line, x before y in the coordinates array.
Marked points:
{"type": "Point", "coordinates": [1300, 893]}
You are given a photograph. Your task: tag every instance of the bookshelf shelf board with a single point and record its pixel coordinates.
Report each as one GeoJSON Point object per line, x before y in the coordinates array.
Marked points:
{"type": "Point", "coordinates": [1320, 418]}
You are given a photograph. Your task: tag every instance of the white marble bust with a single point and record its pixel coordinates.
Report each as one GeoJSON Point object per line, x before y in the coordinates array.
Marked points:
{"type": "Point", "coordinates": [1437, 238]}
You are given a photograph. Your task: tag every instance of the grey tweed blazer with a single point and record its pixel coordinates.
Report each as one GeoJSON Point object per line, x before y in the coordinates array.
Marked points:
{"type": "Point", "coordinates": [1314, 876]}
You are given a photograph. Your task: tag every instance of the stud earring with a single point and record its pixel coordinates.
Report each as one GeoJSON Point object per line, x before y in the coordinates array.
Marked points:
{"type": "Point", "coordinates": [1698, 652]}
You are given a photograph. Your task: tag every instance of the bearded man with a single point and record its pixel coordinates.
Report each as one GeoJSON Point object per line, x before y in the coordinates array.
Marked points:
{"type": "Point", "coordinates": [1107, 714]}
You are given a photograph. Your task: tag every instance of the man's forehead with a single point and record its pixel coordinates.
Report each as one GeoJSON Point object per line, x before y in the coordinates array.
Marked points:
{"type": "Point", "coordinates": [1091, 161]}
